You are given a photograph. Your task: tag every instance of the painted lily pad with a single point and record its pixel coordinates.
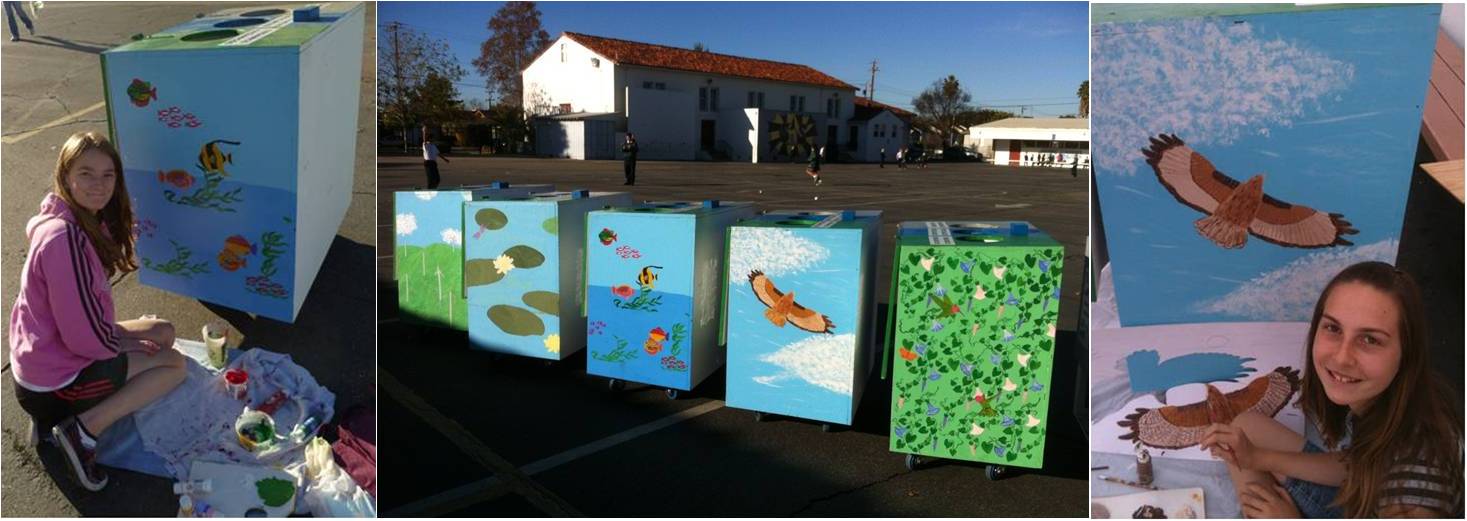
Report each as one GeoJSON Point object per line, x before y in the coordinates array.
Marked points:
{"type": "Point", "coordinates": [525, 256]}
{"type": "Point", "coordinates": [551, 225]}
{"type": "Point", "coordinates": [275, 491]}
{"type": "Point", "coordinates": [478, 272]}
{"type": "Point", "coordinates": [491, 219]}
{"type": "Point", "coordinates": [516, 320]}
{"type": "Point", "coordinates": [547, 302]}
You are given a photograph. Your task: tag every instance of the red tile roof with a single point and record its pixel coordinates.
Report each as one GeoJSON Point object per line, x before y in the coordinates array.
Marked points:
{"type": "Point", "coordinates": [664, 57]}
{"type": "Point", "coordinates": [870, 103]}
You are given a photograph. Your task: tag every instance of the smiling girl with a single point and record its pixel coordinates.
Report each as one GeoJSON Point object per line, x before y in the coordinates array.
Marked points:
{"type": "Point", "coordinates": [1384, 433]}
{"type": "Point", "coordinates": [76, 370]}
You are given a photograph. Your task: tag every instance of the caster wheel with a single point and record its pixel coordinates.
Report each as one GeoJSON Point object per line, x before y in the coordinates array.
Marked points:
{"type": "Point", "coordinates": [826, 427]}
{"type": "Point", "coordinates": [672, 394]}
{"type": "Point", "coordinates": [615, 385]}
{"type": "Point", "coordinates": [995, 472]}
{"type": "Point", "coordinates": [913, 462]}
{"type": "Point", "coordinates": [760, 417]}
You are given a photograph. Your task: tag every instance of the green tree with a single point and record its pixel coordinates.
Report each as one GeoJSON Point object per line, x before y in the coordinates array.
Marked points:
{"type": "Point", "coordinates": [406, 59]}
{"type": "Point", "coordinates": [515, 37]}
{"type": "Point", "coordinates": [941, 106]}
{"type": "Point", "coordinates": [699, 47]}
{"type": "Point", "coordinates": [1084, 94]}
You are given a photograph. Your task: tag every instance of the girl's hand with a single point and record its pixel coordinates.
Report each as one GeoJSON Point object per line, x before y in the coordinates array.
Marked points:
{"type": "Point", "coordinates": [138, 345]}
{"type": "Point", "coordinates": [1231, 444]}
{"type": "Point", "coordinates": [1267, 500]}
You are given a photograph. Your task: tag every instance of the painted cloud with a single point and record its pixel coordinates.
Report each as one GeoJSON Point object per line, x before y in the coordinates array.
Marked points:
{"type": "Point", "coordinates": [452, 237]}
{"type": "Point", "coordinates": [773, 251]}
{"type": "Point", "coordinates": [1207, 80]}
{"type": "Point", "coordinates": [406, 224]}
{"type": "Point", "coordinates": [426, 196]}
{"type": "Point", "coordinates": [1288, 294]}
{"type": "Point", "coordinates": [825, 361]}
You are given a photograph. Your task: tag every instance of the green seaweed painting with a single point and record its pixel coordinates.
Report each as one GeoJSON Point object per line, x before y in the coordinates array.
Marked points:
{"type": "Point", "coordinates": [179, 265]}
{"type": "Point", "coordinates": [675, 338]}
{"type": "Point", "coordinates": [644, 301]}
{"type": "Point", "coordinates": [273, 246]}
{"type": "Point", "coordinates": [208, 195]}
{"type": "Point", "coordinates": [619, 355]}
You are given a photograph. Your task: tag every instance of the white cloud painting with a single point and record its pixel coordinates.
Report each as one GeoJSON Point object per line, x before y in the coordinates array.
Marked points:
{"type": "Point", "coordinates": [406, 224]}
{"type": "Point", "coordinates": [452, 237]}
{"type": "Point", "coordinates": [825, 361]}
{"type": "Point", "coordinates": [1289, 293]}
{"type": "Point", "coordinates": [774, 251]}
{"type": "Point", "coordinates": [426, 196]}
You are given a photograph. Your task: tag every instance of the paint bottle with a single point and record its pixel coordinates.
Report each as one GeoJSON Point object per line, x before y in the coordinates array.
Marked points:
{"type": "Point", "coordinates": [1144, 472]}
{"type": "Point", "coordinates": [216, 341]}
{"type": "Point", "coordinates": [185, 505]}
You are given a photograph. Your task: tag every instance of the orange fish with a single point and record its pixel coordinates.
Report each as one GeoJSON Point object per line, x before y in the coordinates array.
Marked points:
{"type": "Point", "coordinates": [232, 257]}
{"type": "Point", "coordinates": [178, 178]}
{"type": "Point", "coordinates": [654, 340]}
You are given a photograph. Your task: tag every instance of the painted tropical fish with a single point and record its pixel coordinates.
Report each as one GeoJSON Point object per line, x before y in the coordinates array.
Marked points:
{"type": "Point", "coordinates": [141, 92]}
{"type": "Point", "coordinates": [607, 236]}
{"type": "Point", "coordinates": [655, 337]}
{"type": "Point", "coordinates": [178, 178]}
{"type": "Point", "coordinates": [646, 278]}
{"type": "Point", "coordinates": [236, 247]}
{"type": "Point", "coordinates": [623, 291]}
{"type": "Point", "coordinates": [212, 159]}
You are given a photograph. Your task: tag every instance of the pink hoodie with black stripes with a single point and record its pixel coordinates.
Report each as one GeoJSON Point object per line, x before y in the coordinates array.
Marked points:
{"type": "Point", "coordinates": [63, 319]}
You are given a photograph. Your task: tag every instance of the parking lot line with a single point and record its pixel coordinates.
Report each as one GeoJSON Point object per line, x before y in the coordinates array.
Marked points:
{"type": "Point", "coordinates": [54, 123]}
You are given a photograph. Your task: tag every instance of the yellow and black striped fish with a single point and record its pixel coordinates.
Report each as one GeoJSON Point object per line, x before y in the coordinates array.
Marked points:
{"type": "Point", "coordinates": [646, 278]}
{"type": "Point", "coordinates": [212, 159]}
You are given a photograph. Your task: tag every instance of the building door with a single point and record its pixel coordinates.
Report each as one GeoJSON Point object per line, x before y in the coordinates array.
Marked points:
{"type": "Point", "coordinates": [830, 137]}
{"type": "Point", "coordinates": [855, 133]}
{"type": "Point", "coordinates": [706, 136]}
{"type": "Point", "coordinates": [1014, 149]}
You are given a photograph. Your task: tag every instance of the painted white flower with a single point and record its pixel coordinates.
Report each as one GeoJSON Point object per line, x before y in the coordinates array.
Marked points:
{"type": "Point", "coordinates": [927, 263]}
{"type": "Point", "coordinates": [1050, 332]}
{"type": "Point", "coordinates": [1032, 421]}
{"type": "Point", "coordinates": [998, 271]}
{"type": "Point", "coordinates": [1009, 385]}
{"type": "Point", "coordinates": [979, 294]}
{"type": "Point", "coordinates": [426, 196]}
{"type": "Point", "coordinates": [976, 430]}
{"type": "Point", "coordinates": [406, 224]}
{"type": "Point", "coordinates": [552, 344]}
{"type": "Point", "coordinates": [503, 264]}
{"type": "Point", "coordinates": [452, 237]}
{"type": "Point", "coordinates": [1024, 359]}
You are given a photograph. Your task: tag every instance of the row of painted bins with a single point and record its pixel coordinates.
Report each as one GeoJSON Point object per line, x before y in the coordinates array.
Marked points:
{"type": "Point", "coordinates": [789, 293]}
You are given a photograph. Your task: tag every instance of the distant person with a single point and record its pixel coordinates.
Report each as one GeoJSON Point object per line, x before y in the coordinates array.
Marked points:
{"type": "Point", "coordinates": [922, 160]}
{"type": "Point", "coordinates": [430, 160]}
{"type": "Point", "coordinates": [12, 9]}
{"type": "Point", "coordinates": [76, 369]}
{"type": "Point", "coordinates": [814, 169]}
{"type": "Point", "coordinates": [882, 164]}
{"type": "Point", "coordinates": [629, 162]}
{"type": "Point", "coordinates": [901, 153]}
{"type": "Point", "coordinates": [1075, 166]}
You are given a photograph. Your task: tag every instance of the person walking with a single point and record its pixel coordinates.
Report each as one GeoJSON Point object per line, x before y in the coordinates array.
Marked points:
{"type": "Point", "coordinates": [814, 169]}
{"type": "Point", "coordinates": [629, 162]}
{"type": "Point", "coordinates": [12, 9]}
{"type": "Point", "coordinates": [901, 155]}
{"type": "Point", "coordinates": [430, 160]}
{"type": "Point", "coordinates": [882, 164]}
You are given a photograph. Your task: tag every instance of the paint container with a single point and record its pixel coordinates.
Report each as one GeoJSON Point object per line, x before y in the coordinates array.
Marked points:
{"type": "Point", "coordinates": [216, 342]}
{"type": "Point", "coordinates": [185, 505]}
{"type": "Point", "coordinates": [255, 430]}
{"type": "Point", "coordinates": [236, 382]}
{"type": "Point", "coordinates": [1144, 473]}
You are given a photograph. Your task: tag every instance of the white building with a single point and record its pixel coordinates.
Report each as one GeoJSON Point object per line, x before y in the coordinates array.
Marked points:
{"type": "Point", "coordinates": [1056, 142]}
{"type": "Point", "coordinates": [878, 126]}
{"type": "Point", "coordinates": [585, 91]}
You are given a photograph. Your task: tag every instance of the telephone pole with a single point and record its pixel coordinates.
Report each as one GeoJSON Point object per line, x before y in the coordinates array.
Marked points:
{"type": "Point", "coordinates": [871, 88]}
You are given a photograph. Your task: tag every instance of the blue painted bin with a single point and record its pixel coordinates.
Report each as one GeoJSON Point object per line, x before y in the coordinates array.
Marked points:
{"type": "Point", "coordinates": [238, 131]}
{"type": "Point", "coordinates": [524, 270]}
{"type": "Point", "coordinates": [813, 360]}
{"type": "Point", "coordinates": [654, 284]}
{"type": "Point", "coordinates": [428, 254]}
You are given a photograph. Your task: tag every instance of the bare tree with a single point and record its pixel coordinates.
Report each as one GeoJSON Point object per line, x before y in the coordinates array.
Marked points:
{"type": "Point", "coordinates": [942, 105]}
{"type": "Point", "coordinates": [515, 37]}
{"type": "Point", "coordinates": [406, 59]}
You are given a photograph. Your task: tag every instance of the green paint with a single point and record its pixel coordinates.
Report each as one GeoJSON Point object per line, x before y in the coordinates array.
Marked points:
{"type": "Point", "coordinates": [490, 219]}
{"type": "Point", "coordinates": [551, 226]}
{"type": "Point", "coordinates": [289, 37]}
{"type": "Point", "coordinates": [421, 297]}
{"type": "Point", "coordinates": [478, 272]}
{"type": "Point", "coordinates": [209, 195]}
{"type": "Point", "coordinates": [936, 309]}
{"type": "Point", "coordinates": [547, 302]}
{"type": "Point", "coordinates": [525, 256]}
{"type": "Point", "coordinates": [516, 320]}
{"type": "Point", "coordinates": [179, 264]}
{"type": "Point", "coordinates": [275, 491]}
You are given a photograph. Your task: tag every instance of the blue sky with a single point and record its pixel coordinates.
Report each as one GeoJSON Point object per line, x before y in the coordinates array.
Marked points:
{"type": "Point", "coordinates": [1004, 53]}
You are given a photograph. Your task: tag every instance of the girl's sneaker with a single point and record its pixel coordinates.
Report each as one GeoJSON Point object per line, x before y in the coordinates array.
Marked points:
{"type": "Point", "coordinates": [82, 458]}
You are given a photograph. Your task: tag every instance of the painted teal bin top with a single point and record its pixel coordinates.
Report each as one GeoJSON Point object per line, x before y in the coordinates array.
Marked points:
{"type": "Point", "coordinates": [690, 208]}
{"type": "Point", "coordinates": [288, 26]}
{"type": "Point", "coordinates": [974, 233]}
{"type": "Point", "coordinates": [836, 219]}
{"type": "Point", "coordinates": [1122, 13]}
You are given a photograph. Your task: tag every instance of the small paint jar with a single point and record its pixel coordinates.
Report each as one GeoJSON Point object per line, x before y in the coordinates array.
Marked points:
{"type": "Point", "coordinates": [236, 383]}
{"type": "Point", "coordinates": [1144, 472]}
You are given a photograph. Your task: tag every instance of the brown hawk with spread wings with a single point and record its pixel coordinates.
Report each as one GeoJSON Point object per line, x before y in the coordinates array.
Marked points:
{"type": "Point", "coordinates": [1235, 209]}
{"type": "Point", "coordinates": [783, 308]}
{"type": "Point", "coordinates": [1181, 426]}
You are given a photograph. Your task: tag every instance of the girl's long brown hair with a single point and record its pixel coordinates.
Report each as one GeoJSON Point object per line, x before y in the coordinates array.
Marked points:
{"type": "Point", "coordinates": [1415, 417]}
{"type": "Point", "coordinates": [116, 246]}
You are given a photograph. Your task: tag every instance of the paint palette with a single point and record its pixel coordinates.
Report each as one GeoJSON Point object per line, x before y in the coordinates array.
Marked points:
{"type": "Point", "coordinates": [801, 285]}
{"type": "Point", "coordinates": [524, 271]}
{"type": "Point", "coordinates": [1182, 503]}
{"type": "Point", "coordinates": [973, 316]}
{"type": "Point", "coordinates": [428, 257]}
{"type": "Point", "coordinates": [239, 133]}
{"type": "Point", "coordinates": [236, 489]}
{"type": "Point", "coordinates": [653, 289]}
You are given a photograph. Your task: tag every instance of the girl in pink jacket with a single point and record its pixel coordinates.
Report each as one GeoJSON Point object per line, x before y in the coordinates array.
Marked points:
{"type": "Point", "coordinates": [76, 368]}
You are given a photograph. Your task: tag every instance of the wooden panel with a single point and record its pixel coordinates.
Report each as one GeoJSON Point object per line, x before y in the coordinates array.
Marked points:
{"type": "Point", "coordinates": [1448, 173]}
{"type": "Point", "coordinates": [1441, 119]}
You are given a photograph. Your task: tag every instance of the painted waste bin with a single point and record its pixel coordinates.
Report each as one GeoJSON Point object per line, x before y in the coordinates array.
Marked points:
{"type": "Point", "coordinates": [239, 132]}
{"type": "Point", "coordinates": [521, 256]}
{"type": "Point", "coordinates": [654, 285]}
{"type": "Point", "coordinates": [428, 254]}
{"type": "Point", "coordinates": [974, 307]}
{"type": "Point", "coordinates": [801, 285]}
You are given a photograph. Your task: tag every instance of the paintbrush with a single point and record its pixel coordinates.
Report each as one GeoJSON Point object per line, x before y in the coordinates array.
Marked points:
{"type": "Point", "coordinates": [1128, 483]}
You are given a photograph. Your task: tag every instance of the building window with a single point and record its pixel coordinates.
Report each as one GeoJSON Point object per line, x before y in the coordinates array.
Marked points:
{"type": "Point", "coordinates": [756, 100]}
{"type": "Point", "coordinates": [793, 106]}
{"type": "Point", "coordinates": [596, 62]}
{"type": "Point", "coordinates": [760, 100]}
{"type": "Point", "coordinates": [661, 86]}
{"type": "Point", "coordinates": [713, 99]}
{"type": "Point", "coordinates": [832, 107]}
{"type": "Point", "coordinates": [647, 85]}
{"type": "Point", "coordinates": [703, 99]}
{"type": "Point", "coordinates": [565, 108]}
{"type": "Point", "coordinates": [802, 104]}
{"type": "Point", "coordinates": [562, 53]}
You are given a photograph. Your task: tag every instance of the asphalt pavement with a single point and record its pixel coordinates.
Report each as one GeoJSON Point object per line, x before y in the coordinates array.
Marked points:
{"type": "Point", "coordinates": [52, 87]}
{"type": "Point", "coordinates": [472, 434]}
